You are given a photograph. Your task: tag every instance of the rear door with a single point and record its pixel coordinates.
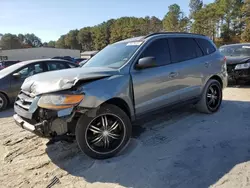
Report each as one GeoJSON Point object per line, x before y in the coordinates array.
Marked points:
{"type": "Point", "coordinates": [213, 62]}
{"type": "Point", "coordinates": [154, 87]}
{"type": "Point", "coordinates": [186, 56]}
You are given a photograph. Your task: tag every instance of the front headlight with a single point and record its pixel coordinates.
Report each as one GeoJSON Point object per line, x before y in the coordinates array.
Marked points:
{"type": "Point", "coordinates": [242, 66]}
{"type": "Point", "coordinates": [55, 102]}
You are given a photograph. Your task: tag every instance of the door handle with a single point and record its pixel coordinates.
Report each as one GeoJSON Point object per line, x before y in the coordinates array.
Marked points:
{"type": "Point", "coordinates": [173, 74]}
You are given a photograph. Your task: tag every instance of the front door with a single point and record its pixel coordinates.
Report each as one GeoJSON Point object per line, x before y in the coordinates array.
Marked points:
{"type": "Point", "coordinates": [24, 72]}
{"type": "Point", "coordinates": [155, 87]}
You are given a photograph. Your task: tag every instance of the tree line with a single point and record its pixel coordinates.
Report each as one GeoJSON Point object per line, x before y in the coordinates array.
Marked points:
{"type": "Point", "coordinates": [224, 21]}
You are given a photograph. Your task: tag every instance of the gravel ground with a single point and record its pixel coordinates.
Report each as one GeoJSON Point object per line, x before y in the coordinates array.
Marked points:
{"type": "Point", "coordinates": [176, 149]}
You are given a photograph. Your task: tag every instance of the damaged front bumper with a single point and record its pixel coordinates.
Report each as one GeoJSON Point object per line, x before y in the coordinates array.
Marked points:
{"type": "Point", "coordinates": [38, 128]}
{"type": "Point", "coordinates": [43, 122]}
{"type": "Point", "coordinates": [50, 127]}
{"type": "Point", "coordinates": [47, 123]}
{"type": "Point", "coordinates": [241, 74]}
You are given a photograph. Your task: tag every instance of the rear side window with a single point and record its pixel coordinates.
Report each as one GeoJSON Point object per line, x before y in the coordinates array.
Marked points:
{"type": "Point", "coordinates": [206, 46]}
{"type": "Point", "coordinates": [160, 50]}
{"type": "Point", "coordinates": [183, 49]}
{"type": "Point", "coordinates": [57, 66]}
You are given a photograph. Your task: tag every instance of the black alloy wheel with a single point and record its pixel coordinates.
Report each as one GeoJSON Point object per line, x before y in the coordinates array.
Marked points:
{"type": "Point", "coordinates": [213, 97]}
{"type": "Point", "coordinates": [104, 135]}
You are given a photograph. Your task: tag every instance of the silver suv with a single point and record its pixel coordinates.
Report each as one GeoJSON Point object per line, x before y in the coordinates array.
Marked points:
{"type": "Point", "coordinates": [125, 80]}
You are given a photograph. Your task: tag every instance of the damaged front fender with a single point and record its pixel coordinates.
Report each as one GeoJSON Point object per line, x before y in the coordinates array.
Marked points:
{"type": "Point", "coordinates": [101, 91]}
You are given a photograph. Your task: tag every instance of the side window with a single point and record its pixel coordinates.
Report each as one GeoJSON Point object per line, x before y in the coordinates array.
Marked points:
{"type": "Point", "coordinates": [183, 49]}
{"type": "Point", "coordinates": [206, 46]}
{"type": "Point", "coordinates": [38, 68]}
{"type": "Point", "coordinates": [158, 49]}
{"type": "Point", "coordinates": [24, 72]}
{"type": "Point", "coordinates": [31, 70]}
{"type": "Point", "coordinates": [56, 66]}
{"type": "Point", "coordinates": [199, 52]}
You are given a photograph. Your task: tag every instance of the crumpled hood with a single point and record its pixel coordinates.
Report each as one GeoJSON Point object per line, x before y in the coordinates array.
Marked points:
{"type": "Point", "coordinates": [63, 79]}
{"type": "Point", "coordinates": [237, 60]}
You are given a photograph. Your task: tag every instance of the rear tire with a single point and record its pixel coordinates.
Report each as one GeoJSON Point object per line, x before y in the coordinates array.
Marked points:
{"type": "Point", "coordinates": [211, 98]}
{"type": "Point", "coordinates": [104, 135]}
{"type": "Point", "coordinates": [3, 102]}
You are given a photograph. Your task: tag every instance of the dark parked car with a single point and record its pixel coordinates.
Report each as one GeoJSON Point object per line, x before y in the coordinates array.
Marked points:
{"type": "Point", "coordinates": [4, 64]}
{"type": "Point", "coordinates": [12, 77]}
{"type": "Point", "coordinates": [79, 60]}
{"type": "Point", "coordinates": [238, 61]}
{"type": "Point", "coordinates": [120, 84]}
{"type": "Point", "coordinates": [67, 58]}
{"type": "Point", "coordinates": [83, 62]}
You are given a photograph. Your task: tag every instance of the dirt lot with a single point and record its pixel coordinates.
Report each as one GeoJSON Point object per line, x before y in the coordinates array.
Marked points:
{"type": "Point", "coordinates": [177, 149]}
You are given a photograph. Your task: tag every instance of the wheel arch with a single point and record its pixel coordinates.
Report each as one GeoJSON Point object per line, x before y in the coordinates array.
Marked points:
{"type": "Point", "coordinates": [121, 104]}
{"type": "Point", "coordinates": [218, 78]}
{"type": "Point", "coordinates": [5, 94]}
{"type": "Point", "coordinates": [212, 77]}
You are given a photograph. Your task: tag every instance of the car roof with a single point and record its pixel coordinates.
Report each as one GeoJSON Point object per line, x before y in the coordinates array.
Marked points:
{"type": "Point", "coordinates": [21, 64]}
{"type": "Point", "coordinates": [42, 60]}
{"type": "Point", "coordinates": [180, 34]}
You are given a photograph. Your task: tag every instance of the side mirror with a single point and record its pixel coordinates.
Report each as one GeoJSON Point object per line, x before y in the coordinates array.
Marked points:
{"type": "Point", "coordinates": [16, 75]}
{"type": "Point", "coordinates": [146, 62]}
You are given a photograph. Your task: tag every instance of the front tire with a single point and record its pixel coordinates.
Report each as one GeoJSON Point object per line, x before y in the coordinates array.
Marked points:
{"type": "Point", "coordinates": [104, 135]}
{"type": "Point", "coordinates": [211, 98]}
{"type": "Point", "coordinates": [3, 102]}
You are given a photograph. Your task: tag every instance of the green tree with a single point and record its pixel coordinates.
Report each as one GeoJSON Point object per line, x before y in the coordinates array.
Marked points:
{"type": "Point", "coordinates": [9, 41]}
{"type": "Point", "coordinates": [60, 43]}
{"type": "Point", "coordinates": [155, 24]}
{"type": "Point", "coordinates": [195, 5]}
{"type": "Point", "coordinates": [245, 37]}
{"type": "Point", "coordinates": [206, 20]}
{"type": "Point", "coordinates": [21, 38]}
{"type": "Point", "coordinates": [51, 44]}
{"type": "Point", "coordinates": [32, 40]}
{"type": "Point", "coordinates": [175, 20]}
{"type": "Point", "coordinates": [85, 39]}
{"type": "Point", "coordinates": [230, 15]}
{"type": "Point", "coordinates": [71, 39]}
{"type": "Point", "coordinates": [126, 27]}
{"type": "Point", "coordinates": [150, 25]}
{"type": "Point", "coordinates": [45, 44]}
{"type": "Point", "coordinates": [100, 36]}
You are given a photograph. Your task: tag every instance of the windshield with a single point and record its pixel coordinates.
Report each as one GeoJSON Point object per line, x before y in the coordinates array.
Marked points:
{"type": "Point", "coordinates": [236, 50]}
{"type": "Point", "coordinates": [9, 69]}
{"type": "Point", "coordinates": [113, 56]}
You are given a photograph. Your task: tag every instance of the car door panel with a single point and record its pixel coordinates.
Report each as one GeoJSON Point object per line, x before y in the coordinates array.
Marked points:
{"type": "Point", "coordinates": [188, 60]}
{"type": "Point", "coordinates": [25, 72]}
{"type": "Point", "coordinates": [155, 87]}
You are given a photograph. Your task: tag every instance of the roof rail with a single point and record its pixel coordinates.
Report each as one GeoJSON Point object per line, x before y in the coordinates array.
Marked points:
{"type": "Point", "coordinates": [159, 33]}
